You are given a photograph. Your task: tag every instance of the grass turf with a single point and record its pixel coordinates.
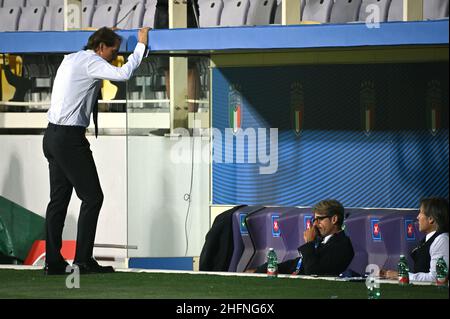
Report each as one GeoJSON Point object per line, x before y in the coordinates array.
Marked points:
{"type": "Point", "coordinates": [24, 284]}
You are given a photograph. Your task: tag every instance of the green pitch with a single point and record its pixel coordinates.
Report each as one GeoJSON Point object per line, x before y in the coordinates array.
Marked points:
{"type": "Point", "coordinates": [33, 284]}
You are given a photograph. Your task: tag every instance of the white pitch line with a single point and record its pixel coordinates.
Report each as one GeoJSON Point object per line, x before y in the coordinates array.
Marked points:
{"type": "Point", "coordinates": [216, 273]}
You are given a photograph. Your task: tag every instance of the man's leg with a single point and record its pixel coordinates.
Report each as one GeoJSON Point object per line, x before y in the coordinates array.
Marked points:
{"type": "Point", "coordinates": [60, 194]}
{"type": "Point", "coordinates": [88, 189]}
{"type": "Point", "coordinates": [75, 160]}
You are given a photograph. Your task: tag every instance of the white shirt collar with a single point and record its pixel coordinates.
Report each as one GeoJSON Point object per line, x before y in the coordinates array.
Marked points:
{"type": "Point", "coordinates": [325, 240]}
{"type": "Point", "coordinates": [429, 235]}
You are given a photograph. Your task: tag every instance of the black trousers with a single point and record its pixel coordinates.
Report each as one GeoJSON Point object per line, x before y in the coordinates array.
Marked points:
{"type": "Point", "coordinates": [71, 166]}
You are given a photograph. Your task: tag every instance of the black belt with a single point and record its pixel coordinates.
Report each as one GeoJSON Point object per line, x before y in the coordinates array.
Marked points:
{"type": "Point", "coordinates": [75, 128]}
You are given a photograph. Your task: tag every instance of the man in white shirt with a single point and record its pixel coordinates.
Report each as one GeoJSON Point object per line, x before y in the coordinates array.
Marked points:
{"type": "Point", "coordinates": [433, 221]}
{"type": "Point", "coordinates": [71, 165]}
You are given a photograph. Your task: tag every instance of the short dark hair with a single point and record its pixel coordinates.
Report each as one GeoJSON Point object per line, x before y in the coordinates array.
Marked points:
{"type": "Point", "coordinates": [103, 35]}
{"type": "Point", "coordinates": [436, 208]}
{"type": "Point", "coordinates": [330, 207]}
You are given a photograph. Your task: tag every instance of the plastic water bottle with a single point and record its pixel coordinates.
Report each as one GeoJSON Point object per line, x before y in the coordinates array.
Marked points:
{"type": "Point", "coordinates": [272, 264]}
{"type": "Point", "coordinates": [403, 271]}
{"type": "Point", "coordinates": [441, 273]}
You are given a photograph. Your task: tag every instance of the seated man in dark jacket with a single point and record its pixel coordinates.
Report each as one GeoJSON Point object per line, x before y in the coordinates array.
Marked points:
{"type": "Point", "coordinates": [327, 251]}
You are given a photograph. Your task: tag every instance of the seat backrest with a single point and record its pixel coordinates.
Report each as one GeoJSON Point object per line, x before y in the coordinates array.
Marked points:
{"type": "Point", "coordinates": [87, 11]}
{"type": "Point", "coordinates": [401, 236]}
{"type": "Point", "coordinates": [53, 3]}
{"type": "Point", "coordinates": [13, 3]}
{"type": "Point", "coordinates": [105, 16]}
{"type": "Point", "coordinates": [9, 18]}
{"type": "Point", "coordinates": [149, 15]}
{"type": "Point", "coordinates": [345, 11]}
{"type": "Point", "coordinates": [395, 10]}
{"type": "Point", "coordinates": [317, 10]}
{"type": "Point", "coordinates": [53, 19]}
{"type": "Point", "coordinates": [210, 12]}
{"type": "Point", "coordinates": [279, 9]}
{"type": "Point", "coordinates": [35, 3]}
{"type": "Point", "coordinates": [362, 226]}
{"type": "Point", "coordinates": [435, 9]}
{"type": "Point", "coordinates": [261, 12]}
{"type": "Point", "coordinates": [241, 240]}
{"type": "Point", "coordinates": [292, 225]}
{"type": "Point", "coordinates": [102, 2]}
{"type": "Point", "coordinates": [130, 16]}
{"type": "Point", "coordinates": [88, 3]}
{"type": "Point", "coordinates": [366, 9]}
{"type": "Point", "coordinates": [31, 19]}
{"type": "Point", "coordinates": [234, 13]}
{"type": "Point", "coordinates": [265, 231]}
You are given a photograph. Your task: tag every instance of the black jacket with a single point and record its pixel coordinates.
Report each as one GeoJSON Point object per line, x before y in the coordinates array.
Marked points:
{"type": "Point", "coordinates": [330, 259]}
{"type": "Point", "coordinates": [421, 254]}
{"type": "Point", "coordinates": [218, 248]}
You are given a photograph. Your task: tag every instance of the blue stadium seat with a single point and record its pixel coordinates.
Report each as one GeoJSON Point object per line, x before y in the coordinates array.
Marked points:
{"type": "Point", "coordinates": [54, 3]}
{"type": "Point", "coordinates": [292, 225]}
{"type": "Point", "coordinates": [9, 18]}
{"type": "Point", "coordinates": [53, 19]}
{"type": "Point", "coordinates": [105, 16]}
{"type": "Point", "coordinates": [265, 232]}
{"type": "Point", "coordinates": [435, 9]}
{"type": "Point", "coordinates": [234, 13]}
{"type": "Point", "coordinates": [130, 16]}
{"type": "Point", "coordinates": [366, 5]}
{"type": "Point", "coordinates": [241, 240]}
{"type": "Point", "coordinates": [13, 3]}
{"type": "Point", "coordinates": [317, 10]}
{"type": "Point", "coordinates": [102, 2]}
{"type": "Point", "coordinates": [88, 3]}
{"type": "Point", "coordinates": [210, 12]}
{"type": "Point", "coordinates": [31, 19]}
{"type": "Point", "coordinates": [279, 8]}
{"type": "Point", "coordinates": [396, 11]}
{"type": "Point", "coordinates": [261, 12]}
{"type": "Point", "coordinates": [35, 3]}
{"type": "Point", "coordinates": [345, 11]}
{"type": "Point", "coordinates": [363, 228]}
{"type": "Point", "coordinates": [400, 236]}
{"type": "Point", "coordinates": [149, 15]}
{"type": "Point", "coordinates": [432, 10]}
{"type": "Point", "coordinates": [87, 12]}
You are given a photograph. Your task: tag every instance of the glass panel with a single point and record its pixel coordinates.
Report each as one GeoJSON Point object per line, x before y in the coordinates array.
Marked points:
{"type": "Point", "coordinates": [168, 175]}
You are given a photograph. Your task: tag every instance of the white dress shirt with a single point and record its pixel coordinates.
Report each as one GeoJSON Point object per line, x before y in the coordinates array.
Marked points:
{"type": "Point", "coordinates": [78, 81]}
{"type": "Point", "coordinates": [326, 239]}
{"type": "Point", "coordinates": [439, 248]}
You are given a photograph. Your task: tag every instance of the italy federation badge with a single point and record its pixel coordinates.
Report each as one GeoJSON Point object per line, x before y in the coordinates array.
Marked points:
{"type": "Point", "coordinates": [409, 229]}
{"type": "Point", "coordinates": [297, 104]}
{"type": "Point", "coordinates": [375, 229]}
{"type": "Point", "coordinates": [368, 106]}
{"type": "Point", "coordinates": [235, 108]}
{"type": "Point", "coordinates": [276, 231]}
{"type": "Point", "coordinates": [434, 106]}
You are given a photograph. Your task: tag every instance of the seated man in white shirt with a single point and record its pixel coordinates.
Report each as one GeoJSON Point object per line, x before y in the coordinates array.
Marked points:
{"type": "Point", "coordinates": [71, 164]}
{"type": "Point", "coordinates": [433, 221]}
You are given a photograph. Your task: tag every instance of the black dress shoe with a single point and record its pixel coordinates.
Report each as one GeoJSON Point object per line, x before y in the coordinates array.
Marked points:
{"type": "Point", "coordinates": [92, 267]}
{"type": "Point", "coordinates": [56, 268]}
